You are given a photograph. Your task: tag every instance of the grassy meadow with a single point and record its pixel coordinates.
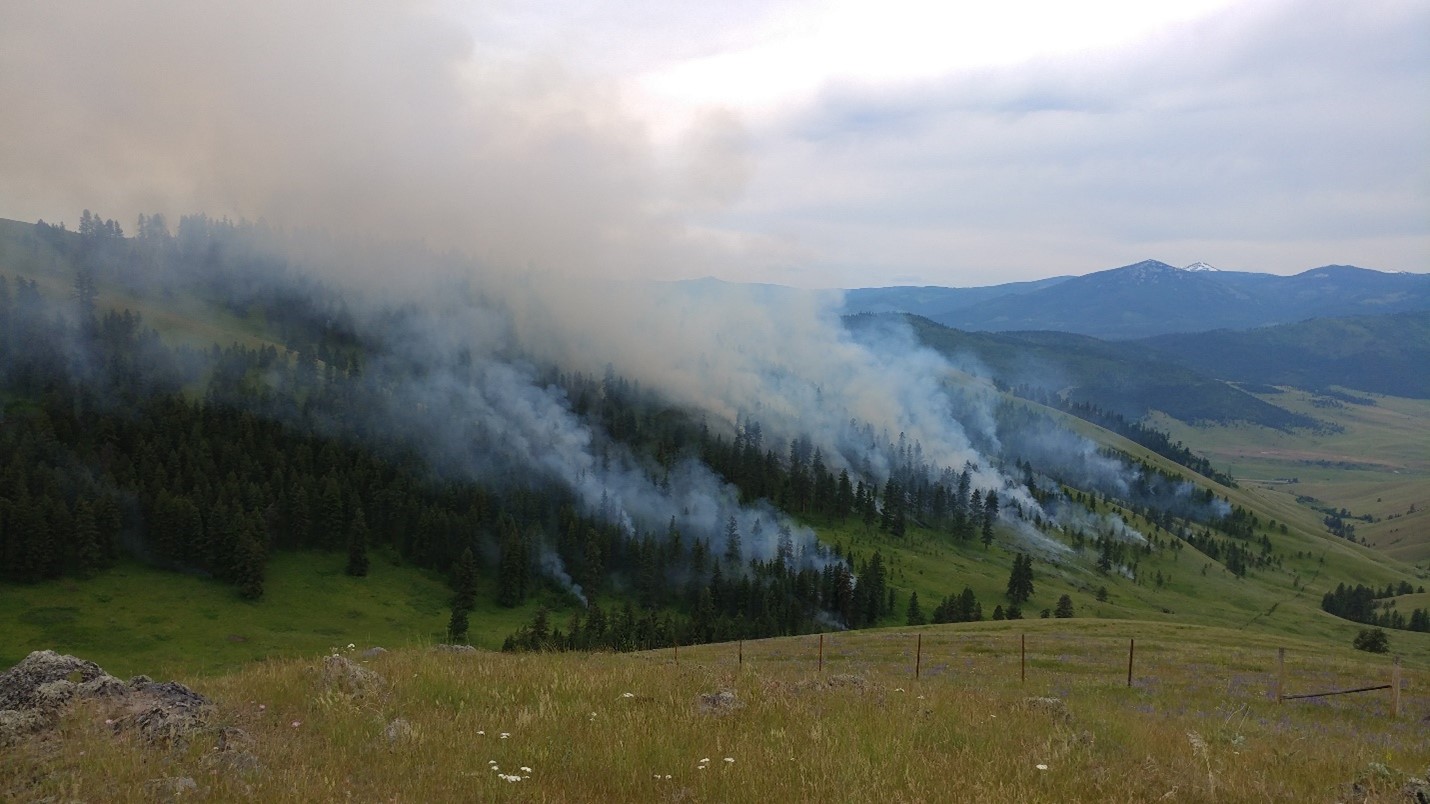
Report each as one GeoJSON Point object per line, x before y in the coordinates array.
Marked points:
{"type": "Point", "coordinates": [1378, 465]}
{"type": "Point", "coordinates": [135, 619]}
{"type": "Point", "coordinates": [1199, 723]}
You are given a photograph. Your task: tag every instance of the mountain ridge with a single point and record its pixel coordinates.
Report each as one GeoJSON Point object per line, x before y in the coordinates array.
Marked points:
{"type": "Point", "coordinates": [1150, 298]}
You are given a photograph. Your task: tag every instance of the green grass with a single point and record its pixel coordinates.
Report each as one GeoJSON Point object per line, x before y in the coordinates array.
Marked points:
{"type": "Point", "coordinates": [135, 619]}
{"type": "Point", "coordinates": [1199, 723]}
{"type": "Point", "coordinates": [1378, 465]}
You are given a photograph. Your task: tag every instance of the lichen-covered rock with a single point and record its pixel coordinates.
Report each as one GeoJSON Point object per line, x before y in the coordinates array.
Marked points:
{"type": "Point", "coordinates": [33, 692]}
{"type": "Point", "coordinates": [399, 730]}
{"type": "Point", "coordinates": [1050, 706]}
{"type": "Point", "coordinates": [166, 713]}
{"type": "Point", "coordinates": [454, 648]}
{"type": "Point", "coordinates": [106, 686]}
{"type": "Point", "coordinates": [719, 703]}
{"type": "Point", "coordinates": [16, 723]}
{"type": "Point", "coordinates": [20, 686]}
{"type": "Point", "coordinates": [345, 675]}
{"type": "Point", "coordinates": [54, 694]}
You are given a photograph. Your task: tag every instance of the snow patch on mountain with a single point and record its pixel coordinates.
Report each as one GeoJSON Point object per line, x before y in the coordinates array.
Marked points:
{"type": "Point", "coordinates": [1200, 267]}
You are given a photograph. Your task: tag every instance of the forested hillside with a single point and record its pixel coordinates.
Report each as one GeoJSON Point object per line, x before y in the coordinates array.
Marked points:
{"type": "Point", "coordinates": [343, 426]}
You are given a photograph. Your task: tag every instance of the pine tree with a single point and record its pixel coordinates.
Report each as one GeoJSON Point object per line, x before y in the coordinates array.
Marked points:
{"type": "Point", "coordinates": [250, 567]}
{"type": "Point", "coordinates": [732, 541]}
{"type": "Point", "coordinates": [464, 581]}
{"type": "Point", "coordinates": [990, 513]}
{"type": "Point", "coordinates": [457, 626]}
{"type": "Point", "coordinates": [1064, 608]}
{"type": "Point", "coordinates": [357, 545]}
{"type": "Point", "coordinates": [1020, 580]}
{"type": "Point", "coordinates": [916, 614]}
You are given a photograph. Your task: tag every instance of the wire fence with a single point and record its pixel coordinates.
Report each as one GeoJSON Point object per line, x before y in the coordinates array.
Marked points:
{"type": "Point", "coordinates": [1053, 658]}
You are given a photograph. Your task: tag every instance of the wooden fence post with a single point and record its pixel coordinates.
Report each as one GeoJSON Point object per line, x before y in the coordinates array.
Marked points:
{"type": "Point", "coordinates": [1395, 689]}
{"type": "Point", "coordinates": [677, 653]}
{"type": "Point", "coordinates": [1022, 658]}
{"type": "Point", "coordinates": [1131, 648]}
{"type": "Point", "coordinates": [919, 655]}
{"type": "Point", "coordinates": [742, 653]}
{"type": "Point", "coordinates": [821, 653]}
{"type": "Point", "coordinates": [1280, 674]}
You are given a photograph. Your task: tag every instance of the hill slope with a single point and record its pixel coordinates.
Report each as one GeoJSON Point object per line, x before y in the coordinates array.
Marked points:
{"type": "Point", "coordinates": [1386, 354]}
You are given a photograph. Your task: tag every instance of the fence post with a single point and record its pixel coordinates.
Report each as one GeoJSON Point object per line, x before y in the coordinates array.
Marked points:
{"type": "Point", "coordinates": [677, 653]}
{"type": "Point", "coordinates": [919, 655]}
{"type": "Point", "coordinates": [1131, 648]}
{"type": "Point", "coordinates": [821, 653]}
{"type": "Point", "coordinates": [742, 653]}
{"type": "Point", "coordinates": [1280, 674]}
{"type": "Point", "coordinates": [1395, 689]}
{"type": "Point", "coordinates": [1022, 658]}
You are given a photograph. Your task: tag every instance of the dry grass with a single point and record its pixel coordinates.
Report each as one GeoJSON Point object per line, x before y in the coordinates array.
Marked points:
{"type": "Point", "coordinates": [1198, 724]}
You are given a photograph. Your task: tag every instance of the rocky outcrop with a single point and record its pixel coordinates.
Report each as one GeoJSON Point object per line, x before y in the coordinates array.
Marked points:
{"type": "Point", "coordinates": [35, 691]}
{"type": "Point", "coordinates": [344, 675]}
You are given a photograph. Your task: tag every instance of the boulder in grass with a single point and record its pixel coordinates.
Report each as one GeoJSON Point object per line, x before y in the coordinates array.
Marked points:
{"type": "Point", "coordinates": [33, 692]}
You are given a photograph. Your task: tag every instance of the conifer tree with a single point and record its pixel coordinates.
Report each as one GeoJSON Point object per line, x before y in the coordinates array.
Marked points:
{"type": "Point", "coordinates": [916, 614]}
{"type": "Point", "coordinates": [457, 626]}
{"type": "Point", "coordinates": [357, 545]}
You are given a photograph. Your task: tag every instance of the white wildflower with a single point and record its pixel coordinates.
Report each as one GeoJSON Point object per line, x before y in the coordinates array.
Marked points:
{"type": "Point", "coordinates": [1041, 766]}
{"type": "Point", "coordinates": [628, 695]}
{"type": "Point", "coordinates": [505, 735]}
{"type": "Point", "coordinates": [297, 723]}
{"type": "Point", "coordinates": [525, 769]}
{"type": "Point", "coordinates": [729, 759]}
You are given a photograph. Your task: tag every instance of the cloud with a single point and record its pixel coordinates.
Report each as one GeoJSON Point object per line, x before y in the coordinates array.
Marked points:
{"type": "Point", "coordinates": [352, 117]}
{"type": "Point", "coordinates": [1292, 132]}
{"type": "Point", "coordinates": [1271, 136]}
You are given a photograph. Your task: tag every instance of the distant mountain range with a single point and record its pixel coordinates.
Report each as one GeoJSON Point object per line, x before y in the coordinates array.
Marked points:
{"type": "Point", "coordinates": [1153, 298]}
{"type": "Point", "coordinates": [1200, 377]}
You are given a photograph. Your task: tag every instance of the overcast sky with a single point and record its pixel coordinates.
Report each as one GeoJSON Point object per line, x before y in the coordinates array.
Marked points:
{"type": "Point", "coordinates": [819, 144]}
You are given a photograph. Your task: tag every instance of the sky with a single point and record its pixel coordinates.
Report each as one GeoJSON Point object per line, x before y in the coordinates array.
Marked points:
{"type": "Point", "coordinates": [813, 144]}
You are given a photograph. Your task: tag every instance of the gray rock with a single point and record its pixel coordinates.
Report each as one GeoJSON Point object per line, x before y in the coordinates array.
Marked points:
{"type": "Point", "coordinates": [34, 690]}
{"type": "Point", "coordinates": [399, 730]}
{"type": "Point", "coordinates": [16, 723]}
{"type": "Point", "coordinates": [20, 685]}
{"type": "Point", "coordinates": [372, 653]}
{"type": "Point", "coordinates": [719, 703]}
{"type": "Point", "coordinates": [1051, 706]}
{"type": "Point", "coordinates": [54, 694]}
{"type": "Point", "coordinates": [345, 675]}
{"type": "Point", "coordinates": [106, 686]}
{"type": "Point", "coordinates": [172, 788]}
{"type": "Point", "coordinates": [454, 649]}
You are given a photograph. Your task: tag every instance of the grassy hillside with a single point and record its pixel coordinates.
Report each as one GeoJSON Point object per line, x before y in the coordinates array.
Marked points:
{"type": "Point", "coordinates": [1376, 466]}
{"type": "Point", "coordinates": [181, 318]}
{"type": "Point", "coordinates": [1125, 378]}
{"type": "Point", "coordinates": [1198, 723]}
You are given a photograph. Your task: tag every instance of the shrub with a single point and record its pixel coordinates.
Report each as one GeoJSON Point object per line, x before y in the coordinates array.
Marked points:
{"type": "Point", "coordinates": [1372, 640]}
